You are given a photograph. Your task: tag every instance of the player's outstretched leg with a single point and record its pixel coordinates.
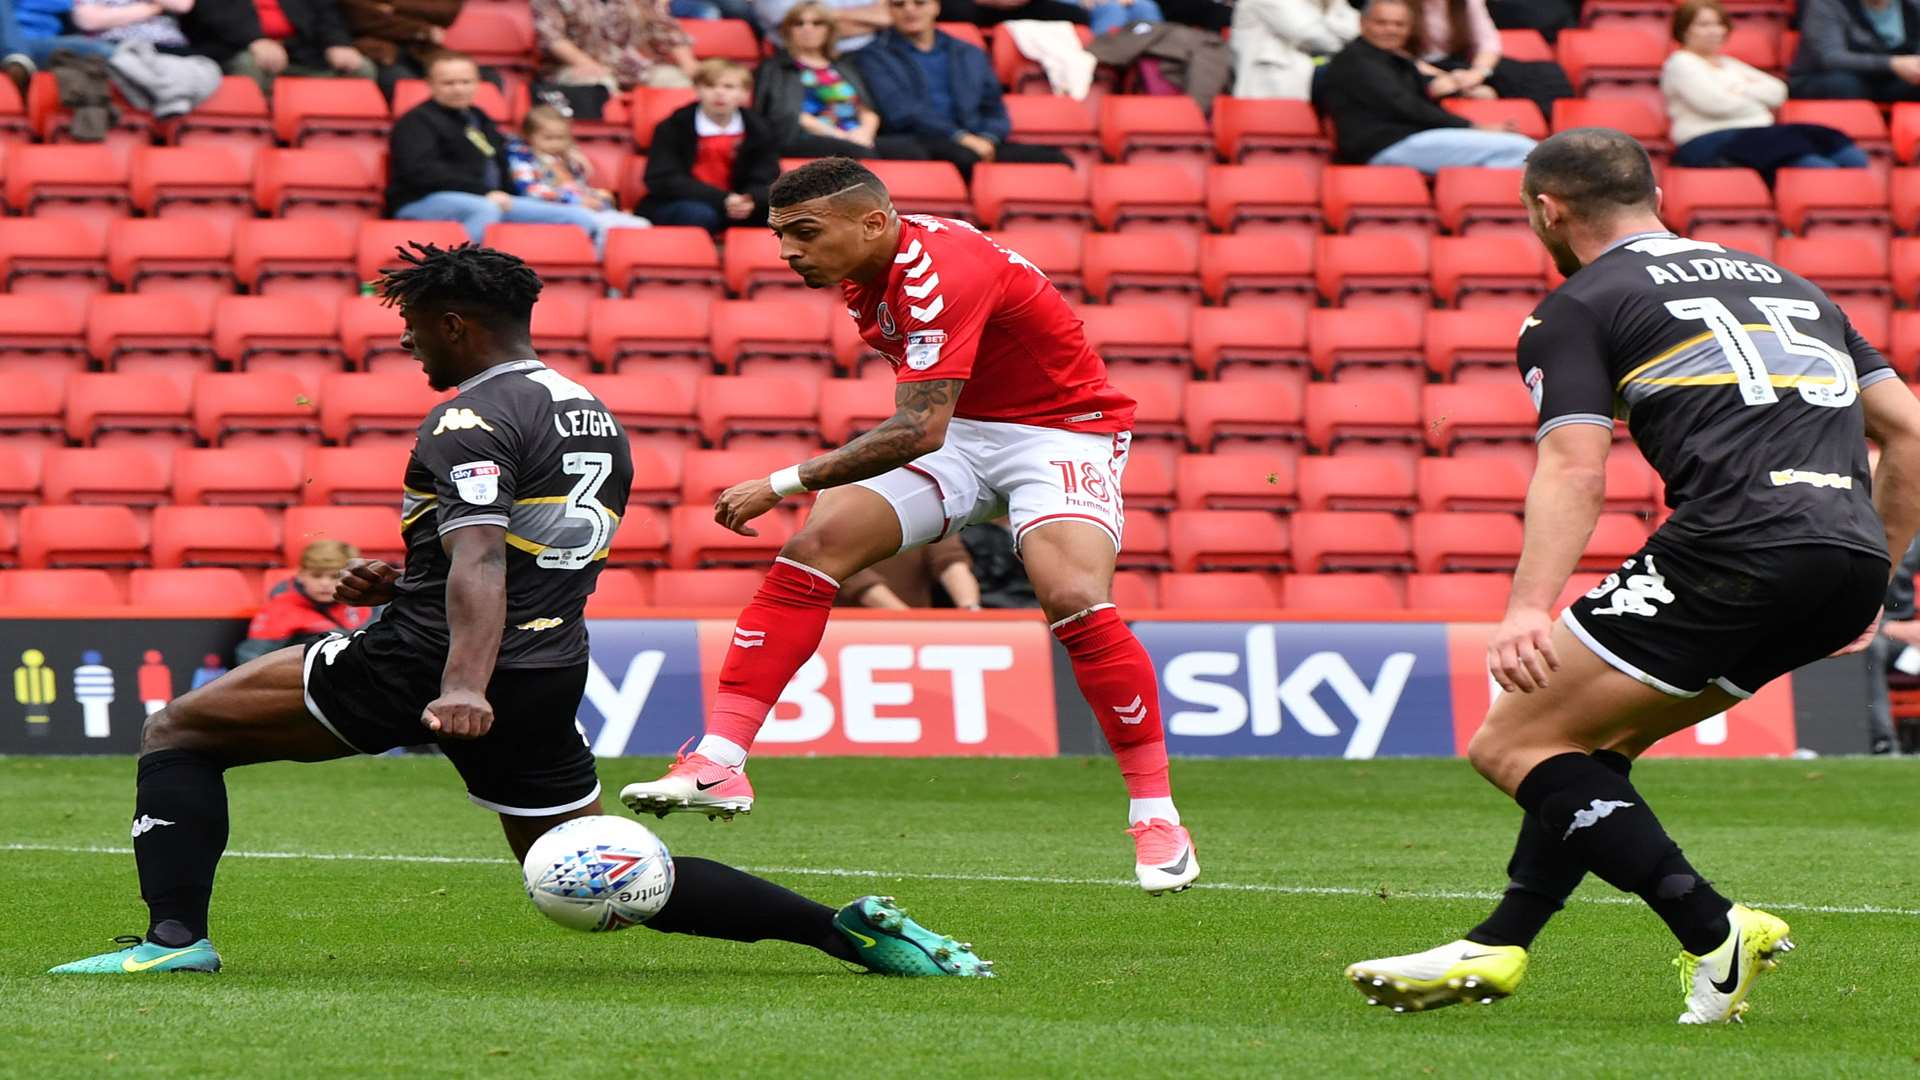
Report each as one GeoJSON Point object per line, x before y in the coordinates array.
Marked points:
{"type": "Point", "coordinates": [1071, 564]}
{"type": "Point", "coordinates": [850, 529]}
{"type": "Point", "coordinates": [255, 713]}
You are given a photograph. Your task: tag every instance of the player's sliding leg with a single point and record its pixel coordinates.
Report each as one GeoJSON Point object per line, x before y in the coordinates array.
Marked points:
{"type": "Point", "coordinates": [255, 713]}
{"type": "Point", "coordinates": [1070, 563]}
{"type": "Point", "coordinates": [850, 529]}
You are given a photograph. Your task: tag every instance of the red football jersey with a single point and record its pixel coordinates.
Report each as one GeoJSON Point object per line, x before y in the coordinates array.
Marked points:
{"type": "Point", "coordinates": [956, 305]}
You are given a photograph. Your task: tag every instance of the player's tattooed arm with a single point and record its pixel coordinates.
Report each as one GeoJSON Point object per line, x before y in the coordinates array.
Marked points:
{"type": "Point", "coordinates": [918, 426]}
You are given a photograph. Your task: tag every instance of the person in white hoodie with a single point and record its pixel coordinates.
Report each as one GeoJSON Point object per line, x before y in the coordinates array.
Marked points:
{"type": "Point", "coordinates": [1722, 110]}
{"type": "Point", "coordinates": [1277, 43]}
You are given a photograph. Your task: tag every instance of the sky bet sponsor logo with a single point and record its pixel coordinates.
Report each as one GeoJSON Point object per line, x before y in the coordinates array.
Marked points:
{"type": "Point", "coordinates": [1303, 689]}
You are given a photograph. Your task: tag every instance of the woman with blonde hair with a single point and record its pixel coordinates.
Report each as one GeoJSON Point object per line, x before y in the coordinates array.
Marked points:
{"type": "Point", "coordinates": [818, 105]}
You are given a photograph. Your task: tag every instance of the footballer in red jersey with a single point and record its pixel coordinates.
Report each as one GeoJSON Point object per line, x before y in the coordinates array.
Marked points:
{"type": "Point", "coordinates": [1002, 409]}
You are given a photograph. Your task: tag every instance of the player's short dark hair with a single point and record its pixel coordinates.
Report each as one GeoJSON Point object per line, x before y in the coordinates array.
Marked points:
{"type": "Point", "coordinates": [492, 287]}
{"type": "Point", "coordinates": [1596, 171]}
{"type": "Point", "coordinates": [822, 177]}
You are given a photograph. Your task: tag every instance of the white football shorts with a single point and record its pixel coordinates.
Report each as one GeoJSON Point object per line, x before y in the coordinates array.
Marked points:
{"type": "Point", "coordinates": [1031, 475]}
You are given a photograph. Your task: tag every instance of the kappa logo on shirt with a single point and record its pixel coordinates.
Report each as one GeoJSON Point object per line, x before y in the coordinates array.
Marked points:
{"type": "Point", "coordinates": [461, 420]}
{"type": "Point", "coordinates": [478, 482]}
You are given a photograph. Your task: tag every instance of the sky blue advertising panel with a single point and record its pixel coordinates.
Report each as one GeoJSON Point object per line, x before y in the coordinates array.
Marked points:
{"type": "Point", "coordinates": [1356, 690]}
{"type": "Point", "coordinates": [643, 689]}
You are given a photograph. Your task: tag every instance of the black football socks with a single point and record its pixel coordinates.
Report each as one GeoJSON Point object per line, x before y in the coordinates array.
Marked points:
{"type": "Point", "coordinates": [179, 831]}
{"type": "Point", "coordinates": [1601, 822]}
{"type": "Point", "coordinates": [715, 900]}
{"type": "Point", "coordinates": [1540, 877]}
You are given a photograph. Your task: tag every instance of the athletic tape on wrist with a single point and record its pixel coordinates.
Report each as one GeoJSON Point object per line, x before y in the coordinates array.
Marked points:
{"type": "Point", "coordinates": [787, 481]}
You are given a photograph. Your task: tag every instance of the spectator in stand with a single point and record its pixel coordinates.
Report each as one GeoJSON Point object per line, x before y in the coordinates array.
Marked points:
{"type": "Point", "coordinates": [712, 9]}
{"type": "Point", "coordinates": [32, 30]}
{"type": "Point", "coordinates": [1722, 109]}
{"type": "Point", "coordinates": [856, 20]}
{"type": "Point", "coordinates": [262, 39]}
{"type": "Point", "coordinates": [712, 162]}
{"type": "Point", "coordinates": [447, 162]}
{"type": "Point", "coordinates": [995, 12]}
{"type": "Point", "coordinates": [1459, 41]}
{"type": "Point", "coordinates": [1549, 17]}
{"type": "Point", "coordinates": [619, 44]}
{"type": "Point", "coordinates": [302, 609]}
{"type": "Point", "coordinates": [941, 92]}
{"type": "Point", "coordinates": [547, 165]}
{"type": "Point", "coordinates": [1277, 44]}
{"type": "Point", "coordinates": [817, 103]}
{"type": "Point", "coordinates": [907, 580]}
{"type": "Point", "coordinates": [399, 35]}
{"type": "Point", "coordinates": [1857, 49]}
{"type": "Point", "coordinates": [1383, 109]}
{"type": "Point", "coordinates": [1894, 655]}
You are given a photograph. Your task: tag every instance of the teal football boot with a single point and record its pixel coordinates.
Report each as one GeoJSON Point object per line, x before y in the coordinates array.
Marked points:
{"type": "Point", "coordinates": [141, 956]}
{"type": "Point", "coordinates": [889, 943]}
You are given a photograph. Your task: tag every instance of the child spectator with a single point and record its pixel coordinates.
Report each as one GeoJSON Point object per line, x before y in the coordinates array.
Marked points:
{"type": "Point", "coordinates": [712, 161]}
{"type": "Point", "coordinates": [302, 609]}
{"type": "Point", "coordinates": [545, 164]}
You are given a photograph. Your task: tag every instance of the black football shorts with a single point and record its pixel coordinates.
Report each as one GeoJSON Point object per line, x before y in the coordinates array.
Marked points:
{"type": "Point", "coordinates": [1680, 618]}
{"type": "Point", "coordinates": [369, 689]}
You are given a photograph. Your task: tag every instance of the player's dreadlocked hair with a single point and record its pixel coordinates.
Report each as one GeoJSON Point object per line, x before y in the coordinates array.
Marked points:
{"type": "Point", "coordinates": [1596, 171]}
{"type": "Point", "coordinates": [822, 177]}
{"type": "Point", "coordinates": [492, 286]}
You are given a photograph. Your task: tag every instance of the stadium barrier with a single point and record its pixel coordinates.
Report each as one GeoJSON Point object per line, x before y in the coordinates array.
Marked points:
{"type": "Point", "coordinates": [930, 683]}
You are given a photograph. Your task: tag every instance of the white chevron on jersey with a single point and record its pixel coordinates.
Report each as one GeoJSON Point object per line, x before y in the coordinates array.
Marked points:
{"type": "Point", "coordinates": [920, 291]}
{"type": "Point", "coordinates": [924, 265]}
{"type": "Point", "coordinates": [911, 254]}
{"type": "Point", "coordinates": [927, 312]}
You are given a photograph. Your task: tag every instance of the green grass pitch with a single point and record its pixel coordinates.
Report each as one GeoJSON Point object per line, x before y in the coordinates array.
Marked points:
{"type": "Point", "coordinates": [353, 966]}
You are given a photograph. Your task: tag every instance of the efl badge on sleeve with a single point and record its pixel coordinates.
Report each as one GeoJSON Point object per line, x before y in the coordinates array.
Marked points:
{"type": "Point", "coordinates": [923, 348]}
{"type": "Point", "coordinates": [477, 481]}
{"type": "Point", "coordinates": [1536, 385]}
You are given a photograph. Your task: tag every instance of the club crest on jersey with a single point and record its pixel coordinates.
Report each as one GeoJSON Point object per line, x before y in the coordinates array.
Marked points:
{"type": "Point", "coordinates": [884, 316]}
{"type": "Point", "coordinates": [461, 420]}
{"type": "Point", "coordinates": [477, 481]}
{"type": "Point", "coordinates": [923, 348]}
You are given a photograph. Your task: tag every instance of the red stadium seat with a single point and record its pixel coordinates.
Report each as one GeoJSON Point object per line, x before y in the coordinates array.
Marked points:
{"type": "Point", "coordinates": [52, 120]}
{"type": "Point", "coordinates": [1389, 267]}
{"type": "Point", "coordinates": [850, 407]}
{"type": "Point", "coordinates": [326, 182]}
{"type": "Point", "coordinates": [1904, 195]}
{"type": "Point", "coordinates": [53, 537]}
{"type": "Point", "coordinates": [1147, 547]}
{"type": "Point", "coordinates": [329, 111]}
{"type": "Point", "coordinates": [1263, 198]}
{"type": "Point", "coordinates": [238, 536]}
{"type": "Point", "coordinates": [1483, 270]}
{"type": "Point", "coordinates": [1263, 342]}
{"type": "Point", "coordinates": [1388, 197]}
{"type": "Point", "coordinates": [656, 477]}
{"type": "Point", "coordinates": [370, 335]}
{"type": "Point", "coordinates": [359, 406]}
{"type": "Point", "coordinates": [1812, 199]}
{"type": "Point", "coordinates": [726, 589]}
{"type": "Point", "coordinates": [163, 333]}
{"type": "Point", "coordinates": [1518, 114]}
{"type": "Point", "coordinates": [1366, 343]}
{"type": "Point", "coordinates": [1377, 416]}
{"type": "Point", "coordinates": [1151, 267]}
{"type": "Point", "coordinates": [751, 263]}
{"type": "Point", "coordinates": [1053, 120]}
{"type": "Point", "coordinates": [285, 334]}
{"type": "Point", "coordinates": [371, 475]}
{"type": "Point", "coordinates": [1148, 483]}
{"type": "Point", "coordinates": [700, 542]}
{"type": "Point", "coordinates": [108, 475]}
{"type": "Point", "coordinates": [1233, 482]}
{"type": "Point", "coordinates": [1472, 483]}
{"type": "Point", "coordinates": [641, 540]}
{"type": "Point", "coordinates": [1219, 592]}
{"type": "Point", "coordinates": [1266, 269]}
{"type": "Point", "coordinates": [619, 589]}
{"type": "Point", "coordinates": [730, 39]}
{"type": "Point", "coordinates": [1341, 594]}
{"type": "Point", "coordinates": [228, 407]}
{"type": "Point", "coordinates": [1850, 268]}
{"type": "Point", "coordinates": [652, 406]}
{"type": "Point", "coordinates": [1250, 129]}
{"type": "Point", "coordinates": [1218, 412]}
{"type": "Point", "coordinates": [1695, 197]}
{"type": "Point", "coordinates": [1360, 540]}
{"type": "Point", "coordinates": [652, 105]}
{"type": "Point", "coordinates": [1603, 62]}
{"type": "Point", "coordinates": [1475, 345]}
{"type": "Point", "coordinates": [496, 35]}
{"type": "Point", "coordinates": [42, 335]}
{"type": "Point", "coordinates": [202, 182]}
{"type": "Point", "coordinates": [1357, 482]}
{"type": "Point", "coordinates": [373, 531]}
{"type": "Point", "coordinates": [1228, 540]}
{"type": "Point", "coordinates": [53, 255]}
{"type": "Point", "coordinates": [198, 589]}
{"type": "Point", "coordinates": [1470, 199]}
{"type": "Point", "coordinates": [1906, 131]}
{"type": "Point", "coordinates": [924, 187]}
{"type": "Point", "coordinates": [1003, 193]}
{"type": "Point", "coordinates": [1015, 71]}
{"type": "Point", "coordinates": [1638, 118]}
{"type": "Point", "coordinates": [20, 472]}
{"type": "Point", "coordinates": [670, 256]}
{"type": "Point", "coordinates": [1056, 253]}
{"type": "Point", "coordinates": [108, 405]}
{"type": "Point", "coordinates": [1905, 353]}
{"type": "Point", "coordinates": [791, 338]}
{"type": "Point", "coordinates": [563, 255]}
{"type": "Point", "coordinates": [1860, 121]}
{"type": "Point", "coordinates": [1632, 485]}
{"type": "Point", "coordinates": [656, 334]}
{"type": "Point", "coordinates": [704, 474]}
{"type": "Point", "coordinates": [59, 590]}
{"type": "Point", "coordinates": [33, 410]}
{"type": "Point", "coordinates": [1446, 542]}
{"type": "Point", "coordinates": [377, 244]}
{"type": "Point", "coordinates": [1148, 196]}
{"type": "Point", "coordinates": [298, 256]}
{"type": "Point", "coordinates": [1159, 426]}
{"type": "Point", "coordinates": [1136, 590]}
{"type": "Point", "coordinates": [559, 328]}
{"type": "Point", "coordinates": [1478, 595]}
{"type": "Point", "coordinates": [235, 116]}
{"type": "Point", "coordinates": [1616, 538]}
{"type": "Point", "coordinates": [68, 181]}
{"type": "Point", "coordinates": [1134, 127]}
{"type": "Point", "coordinates": [1757, 239]}
{"type": "Point", "coordinates": [234, 477]}
{"type": "Point", "coordinates": [732, 406]}
{"type": "Point", "coordinates": [1493, 412]}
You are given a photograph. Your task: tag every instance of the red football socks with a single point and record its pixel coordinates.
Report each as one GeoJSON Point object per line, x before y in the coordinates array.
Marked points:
{"type": "Point", "coordinates": [774, 635]}
{"type": "Point", "coordinates": [1117, 678]}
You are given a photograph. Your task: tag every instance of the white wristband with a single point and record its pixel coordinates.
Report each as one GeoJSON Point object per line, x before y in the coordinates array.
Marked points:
{"type": "Point", "coordinates": [787, 481]}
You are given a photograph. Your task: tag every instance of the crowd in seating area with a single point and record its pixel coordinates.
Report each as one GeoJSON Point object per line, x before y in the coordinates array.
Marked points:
{"type": "Point", "coordinates": [1292, 227]}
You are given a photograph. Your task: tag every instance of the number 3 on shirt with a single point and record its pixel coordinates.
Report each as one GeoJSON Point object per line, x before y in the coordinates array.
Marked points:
{"type": "Point", "coordinates": [583, 504]}
{"type": "Point", "coordinates": [1750, 368]}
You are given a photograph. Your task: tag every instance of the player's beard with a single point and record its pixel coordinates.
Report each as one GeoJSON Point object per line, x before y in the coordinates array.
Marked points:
{"type": "Point", "coordinates": [1564, 260]}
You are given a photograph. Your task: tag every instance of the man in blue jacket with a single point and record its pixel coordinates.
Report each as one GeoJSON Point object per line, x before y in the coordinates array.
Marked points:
{"type": "Point", "coordinates": [941, 92]}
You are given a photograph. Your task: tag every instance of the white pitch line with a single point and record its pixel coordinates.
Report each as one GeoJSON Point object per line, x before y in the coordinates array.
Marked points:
{"type": "Point", "coordinates": [1011, 879]}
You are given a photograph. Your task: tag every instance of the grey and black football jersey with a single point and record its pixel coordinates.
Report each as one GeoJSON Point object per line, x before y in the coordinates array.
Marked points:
{"type": "Point", "coordinates": [524, 447]}
{"type": "Point", "coordinates": [1739, 380]}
